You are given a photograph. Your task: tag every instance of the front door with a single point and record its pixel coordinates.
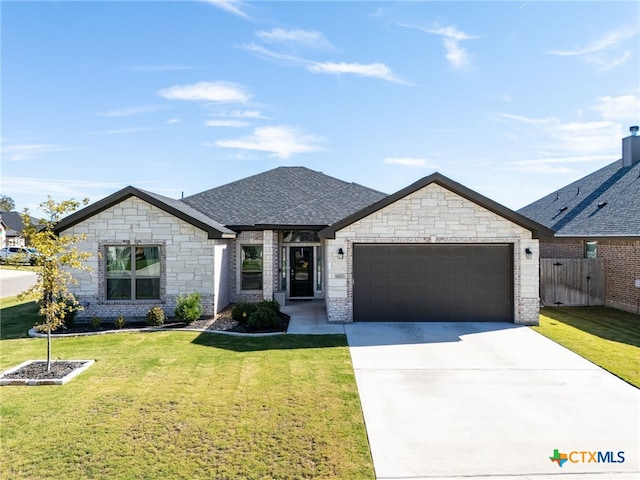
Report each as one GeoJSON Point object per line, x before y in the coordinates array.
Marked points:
{"type": "Point", "coordinates": [301, 271]}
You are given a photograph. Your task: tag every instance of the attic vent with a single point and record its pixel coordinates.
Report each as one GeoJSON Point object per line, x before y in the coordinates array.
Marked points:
{"type": "Point", "coordinates": [563, 209]}
{"type": "Point", "coordinates": [602, 204]}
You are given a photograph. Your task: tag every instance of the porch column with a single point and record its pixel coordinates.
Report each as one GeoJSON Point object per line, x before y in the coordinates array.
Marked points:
{"type": "Point", "coordinates": [269, 263]}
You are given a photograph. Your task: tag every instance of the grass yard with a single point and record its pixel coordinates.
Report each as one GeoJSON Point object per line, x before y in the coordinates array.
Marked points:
{"type": "Point", "coordinates": [183, 405]}
{"type": "Point", "coordinates": [607, 337]}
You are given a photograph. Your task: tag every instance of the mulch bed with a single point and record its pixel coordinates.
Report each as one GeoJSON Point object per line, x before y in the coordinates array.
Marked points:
{"type": "Point", "coordinates": [223, 322]}
{"type": "Point", "coordinates": [38, 370]}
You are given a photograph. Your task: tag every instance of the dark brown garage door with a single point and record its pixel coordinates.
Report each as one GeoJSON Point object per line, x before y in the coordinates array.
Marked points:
{"type": "Point", "coordinates": [433, 283]}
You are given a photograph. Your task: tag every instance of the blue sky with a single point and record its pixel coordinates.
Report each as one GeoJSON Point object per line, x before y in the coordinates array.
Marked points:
{"type": "Point", "coordinates": [512, 99]}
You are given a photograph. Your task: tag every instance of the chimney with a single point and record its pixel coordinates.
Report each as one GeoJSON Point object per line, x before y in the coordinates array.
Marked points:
{"type": "Point", "coordinates": [631, 148]}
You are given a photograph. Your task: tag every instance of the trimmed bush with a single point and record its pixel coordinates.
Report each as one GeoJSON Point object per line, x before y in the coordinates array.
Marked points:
{"type": "Point", "coordinates": [188, 308]}
{"type": "Point", "coordinates": [120, 322]}
{"type": "Point", "coordinates": [155, 316]}
{"type": "Point", "coordinates": [263, 318]}
{"type": "Point", "coordinates": [242, 311]}
{"type": "Point", "coordinates": [272, 304]}
{"type": "Point", "coordinates": [95, 322]}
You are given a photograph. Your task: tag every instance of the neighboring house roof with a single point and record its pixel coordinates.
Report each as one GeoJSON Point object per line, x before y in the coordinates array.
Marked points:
{"type": "Point", "coordinates": [605, 203]}
{"type": "Point", "coordinates": [169, 205]}
{"type": "Point", "coordinates": [13, 221]}
{"type": "Point", "coordinates": [537, 229]}
{"type": "Point", "coordinates": [285, 196]}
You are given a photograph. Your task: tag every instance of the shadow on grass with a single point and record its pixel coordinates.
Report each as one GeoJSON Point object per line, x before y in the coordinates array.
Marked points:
{"type": "Point", "coordinates": [276, 342]}
{"type": "Point", "coordinates": [603, 322]}
{"type": "Point", "coordinates": [16, 320]}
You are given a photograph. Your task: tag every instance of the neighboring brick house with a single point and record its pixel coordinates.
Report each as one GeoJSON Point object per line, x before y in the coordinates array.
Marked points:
{"type": "Point", "coordinates": [598, 217]}
{"type": "Point", "coordinates": [435, 251]}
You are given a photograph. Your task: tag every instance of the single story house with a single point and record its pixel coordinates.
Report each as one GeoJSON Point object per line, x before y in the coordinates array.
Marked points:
{"type": "Point", "coordinates": [12, 228]}
{"type": "Point", "coordinates": [596, 218]}
{"type": "Point", "coordinates": [434, 251]}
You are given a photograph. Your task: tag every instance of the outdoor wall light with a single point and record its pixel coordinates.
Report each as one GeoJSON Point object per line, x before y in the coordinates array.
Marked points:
{"type": "Point", "coordinates": [528, 253]}
{"type": "Point", "coordinates": [340, 253]}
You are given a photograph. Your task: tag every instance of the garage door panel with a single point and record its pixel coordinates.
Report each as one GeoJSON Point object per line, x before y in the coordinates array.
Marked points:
{"type": "Point", "coordinates": [433, 282]}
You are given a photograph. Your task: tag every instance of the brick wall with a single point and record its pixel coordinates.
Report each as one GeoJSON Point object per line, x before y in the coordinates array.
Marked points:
{"type": "Point", "coordinates": [432, 215]}
{"type": "Point", "coordinates": [187, 258]}
{"type": "Point", "coordinates": [621, 266]}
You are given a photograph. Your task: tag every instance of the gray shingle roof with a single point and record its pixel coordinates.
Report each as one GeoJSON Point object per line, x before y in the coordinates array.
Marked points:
{"type": "Point", "coordinates": [295, 196]}
{"type": "Point", "coordinates": [13, 221]}
{"type": "Point", "coordinates": [605, 203]}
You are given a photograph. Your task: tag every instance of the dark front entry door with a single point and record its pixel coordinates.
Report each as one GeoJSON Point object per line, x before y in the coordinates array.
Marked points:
{"type": "Point", "coordinates": [301, 271]}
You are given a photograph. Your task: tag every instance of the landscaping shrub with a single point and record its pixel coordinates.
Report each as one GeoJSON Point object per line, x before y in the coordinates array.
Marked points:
{"type": "Point", "coordinates": [71, 310]}
{"type": "Point", "coordinates": [188, 308]}
{"type": "Point", "coordinates": [95, 322]}
{"type": "Point", "coordinates": [242, 311]}
{"type": "Point", "coordinates": [263, 318]}
{"type": "Point", "coordinates": [120, 322]}
{"type": "Point", "coordinates": [272, 304]}
{"type": "Point", "coordinates": [155, 316]}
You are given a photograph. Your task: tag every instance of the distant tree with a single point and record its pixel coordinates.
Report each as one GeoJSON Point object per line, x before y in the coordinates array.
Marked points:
{"type": "Point", "coordinates": [6, 203]}
{"type": "Point", "coordinates": [57, 255]}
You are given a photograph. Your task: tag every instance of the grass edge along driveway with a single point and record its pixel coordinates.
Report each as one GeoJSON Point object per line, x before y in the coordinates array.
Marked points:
{"type": "Point", "coordinates": [183, 405]}
{"type": "Point", "coordinates": [604, 336]}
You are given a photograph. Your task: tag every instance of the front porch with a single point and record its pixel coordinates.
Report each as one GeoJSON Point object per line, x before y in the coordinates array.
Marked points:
{"type": "Point", "coordinates": [309, 317]}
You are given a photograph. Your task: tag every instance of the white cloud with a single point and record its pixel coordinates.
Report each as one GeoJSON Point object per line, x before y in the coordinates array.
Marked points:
{"type": "Point", "coordinates": [557, 165]}
{"type": "Point", "coordinates": [233, 7]}
{"type": "Point", "coordinates": [124, 131]}
{"type": "Point", "coordinates": [622, 109]}
{"type": "Point", "coordinates": [608, 40]}
{"type": "Point", "coordinates": [372, 70]}
{"type": "Point", "coordinates": [219, 92]}
{"type": "Point", "coordinates": [281, 58]}
{"type": "Point", "coordinates": [307, 38]}
{"type": "Point", "coordinates": [375, 70]}
{"type": "Point", "coordinates": [254, 114]}
{"type": "Point", "coordinates": [279, 141]}
{"type": "Point", "coordinates": [16, 153]}
{"type": "Point", "coordinates": [157, 68]}
{"type": "Point", "coordinates": [172, 121]}
{"type": "Point", "coordinates": [409, 162]}
{"type": "Point", "coordinates": [604, 51]}
{"type": "Point", "coordinates": [127, 112]}
{"type": "Point", "coordinates": [226, 123]}
{"type": "Point", "coordinates": [57, 186]}
{"type": "Point", "coordinates": [457, 56]}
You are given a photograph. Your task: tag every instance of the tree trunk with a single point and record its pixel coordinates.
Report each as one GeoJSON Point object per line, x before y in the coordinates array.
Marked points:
{"type": "Point", "coordinates": [49, 349]}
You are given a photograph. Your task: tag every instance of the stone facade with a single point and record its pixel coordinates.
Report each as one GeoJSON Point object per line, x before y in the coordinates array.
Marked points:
{"type": "Point", "coordinates": [621, 266]}
{"type": "Point", "coordinates": [435, 215]}
{"type": "Point", "coordinates": [188, 259]}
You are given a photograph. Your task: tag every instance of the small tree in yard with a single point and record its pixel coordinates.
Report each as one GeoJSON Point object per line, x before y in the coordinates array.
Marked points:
{"type": "Point", "coordinates": [57, 256]}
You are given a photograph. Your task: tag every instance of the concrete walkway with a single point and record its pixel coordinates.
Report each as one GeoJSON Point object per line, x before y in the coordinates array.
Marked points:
{"type": "Point", "coordinates": [489, 401]}
{"type": "Point", "coordinates": [309, 317]}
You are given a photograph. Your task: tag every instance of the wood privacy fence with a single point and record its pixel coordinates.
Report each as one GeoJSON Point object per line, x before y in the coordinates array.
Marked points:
{"type": "Point", "coordinates": [572, 281]}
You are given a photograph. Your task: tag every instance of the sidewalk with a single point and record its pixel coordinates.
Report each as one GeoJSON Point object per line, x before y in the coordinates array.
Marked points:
{"type": "Point", "coordinates": [309, 317]}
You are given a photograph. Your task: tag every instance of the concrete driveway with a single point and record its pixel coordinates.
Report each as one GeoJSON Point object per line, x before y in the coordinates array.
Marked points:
{"type": "Point", "coordinates": [489, 401]}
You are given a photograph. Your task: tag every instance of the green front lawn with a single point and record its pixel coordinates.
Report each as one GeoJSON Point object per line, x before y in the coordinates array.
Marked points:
{"type": "Point", "coordinates": [607, 337]}
{"type": "Point", "coordinates": [183, 405]}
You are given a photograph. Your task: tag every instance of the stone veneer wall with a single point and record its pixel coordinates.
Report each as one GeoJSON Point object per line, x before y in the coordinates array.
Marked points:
{"type": "Point", "coordinates": [621, 266]}
{"type": "Point", "coordinates": [187, 258]}
{"type": "Point", "coordinates": [432, 215]}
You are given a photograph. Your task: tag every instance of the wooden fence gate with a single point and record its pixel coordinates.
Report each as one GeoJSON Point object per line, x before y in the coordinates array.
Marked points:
{"type": "Point", "coordinates": [572, 281]}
